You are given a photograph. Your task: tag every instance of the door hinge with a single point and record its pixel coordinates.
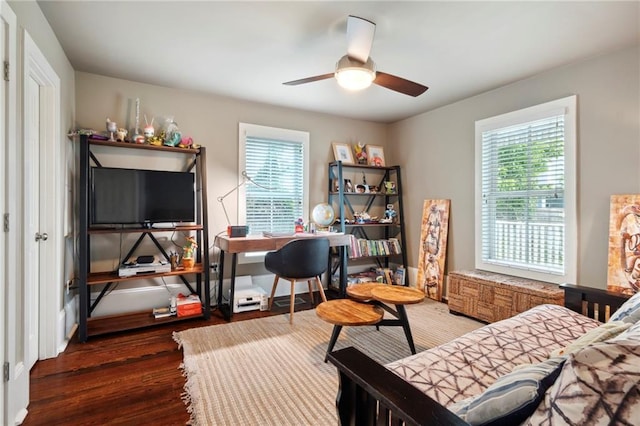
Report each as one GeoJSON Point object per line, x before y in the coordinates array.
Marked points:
{"type": "Point", "coordinates": [6, 222]}
{"type": "Point", "coordinates": [6, 70]}
{"type": "Point", "coordinates": [5, 372]}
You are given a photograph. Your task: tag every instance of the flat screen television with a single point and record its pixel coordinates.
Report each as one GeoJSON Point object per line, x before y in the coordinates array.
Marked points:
{"type": "Point", "coordinates": [136, 196]}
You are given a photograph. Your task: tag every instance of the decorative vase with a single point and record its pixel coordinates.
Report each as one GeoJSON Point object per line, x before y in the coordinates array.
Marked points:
{"type": "Point", "coordinates": [188, 262]}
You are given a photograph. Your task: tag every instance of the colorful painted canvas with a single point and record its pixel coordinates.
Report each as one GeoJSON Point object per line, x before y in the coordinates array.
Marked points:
{"type": "Point", "coordinates": [433, 247]}
{"type": "Point", "coordinates": [623, 269]}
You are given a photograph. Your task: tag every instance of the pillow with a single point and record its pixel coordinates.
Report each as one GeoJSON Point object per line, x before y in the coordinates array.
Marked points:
{"type": "Point", "coordinates": [629, 311]}
{"type": "Point", "coordinates": [597, 385]}
{"type": "Point", "coordinates": [631, 334]}
{"type": "Point", "coordinates": [599, 334]}
{"type": "Point", "coordinates": [512, 398]}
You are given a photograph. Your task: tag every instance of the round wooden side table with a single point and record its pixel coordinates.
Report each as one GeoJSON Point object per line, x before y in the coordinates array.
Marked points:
{"type": "Point", "coordinates": [384, 295]}
{"type": "Point", "coordinates": [341, 312]}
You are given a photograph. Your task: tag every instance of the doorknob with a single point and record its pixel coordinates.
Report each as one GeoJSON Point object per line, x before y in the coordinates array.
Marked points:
{"type": "Point", "coordinates": [42, 236]}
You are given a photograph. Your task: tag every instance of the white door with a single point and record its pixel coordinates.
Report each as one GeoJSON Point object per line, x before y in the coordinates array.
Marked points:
{"type": "Point", "coordinates": [33, 236]}
{"type": "Point", "coordinates": [42, 196]}
{"type": "Point", "coordinates": [15, 390]}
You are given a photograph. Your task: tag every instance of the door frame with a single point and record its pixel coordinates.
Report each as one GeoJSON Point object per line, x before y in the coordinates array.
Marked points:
{"type": "Point", "coordinates": [51, 284]}
{"type": "Point", "coordinates": [15, 393]}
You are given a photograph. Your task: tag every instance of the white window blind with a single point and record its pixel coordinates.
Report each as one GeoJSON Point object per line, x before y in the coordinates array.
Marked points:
{"type": "Point", "coordinates": [276, 199]}
{"type": "Point", "coordinates": [276, 193]}
{"type": "Point", "coordinates": [526, 195]}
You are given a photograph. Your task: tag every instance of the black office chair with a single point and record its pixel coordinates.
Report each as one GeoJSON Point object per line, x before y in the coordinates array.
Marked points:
{"type": "Point", "coordinates": [304, 259]}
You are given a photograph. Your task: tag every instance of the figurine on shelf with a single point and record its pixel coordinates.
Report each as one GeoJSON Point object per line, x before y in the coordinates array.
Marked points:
{"type": "Point", "coordinates": [361, 154]}
{"type": "Point", "coordinates": [111, 128]}
{"type": "Point", "coordinates": [389, 187]}
{"type": "Point", "coordinates": [299, 225]}
{"type": "Point", "coordinates": [362, 217]}
{"type": "Point", "coordinates": [186, 142]}
{"type": "Point", "coordinates": [172, 134]}
{"type": "Point", "coordinates": [121, 135]}
{"type": "Point", "coordinates": [149, 131]}
{"type": "Point", "coordinates": [188, 252]}
{"type": "Point", "coordinates": [389, 214]}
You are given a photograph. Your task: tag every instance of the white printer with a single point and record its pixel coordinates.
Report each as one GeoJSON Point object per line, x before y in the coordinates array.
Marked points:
{"type": "Point", "coordinates": [248, 297]}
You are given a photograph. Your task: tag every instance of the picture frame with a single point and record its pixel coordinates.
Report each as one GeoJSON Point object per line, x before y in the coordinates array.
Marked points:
{"type": "Point", "coordinates": [375, 155]}
{"type": "Point", "coordinates": [433, 247]}
{"type": "Point", "coordinates": [623, 264]}
{"type": "Point", "coordinates": [348, 186]}
{"type": "Point", "coordinates": [342, 152]}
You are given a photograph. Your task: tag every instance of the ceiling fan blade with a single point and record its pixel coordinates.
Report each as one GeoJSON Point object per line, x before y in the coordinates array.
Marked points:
{"type": "Point", "coordinates": [399, 84]}
{"type": "Point", "coordinates": [309, 79]}
{"type": "Point", "coordinates": [359, 37]}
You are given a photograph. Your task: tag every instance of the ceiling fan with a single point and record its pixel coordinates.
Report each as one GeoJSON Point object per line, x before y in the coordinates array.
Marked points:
{"type": "Point", "coordinates": [356, 70]}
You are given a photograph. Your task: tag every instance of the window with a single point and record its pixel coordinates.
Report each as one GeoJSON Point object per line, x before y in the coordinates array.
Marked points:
{"type": "Point", "coordinates": [275, 193]}
{"type": "Point", "coordinates": [526, 192]}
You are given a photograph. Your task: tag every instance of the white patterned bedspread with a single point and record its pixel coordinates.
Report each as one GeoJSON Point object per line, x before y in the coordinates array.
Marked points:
{"type": "Point", "coordinates": [469, 364]}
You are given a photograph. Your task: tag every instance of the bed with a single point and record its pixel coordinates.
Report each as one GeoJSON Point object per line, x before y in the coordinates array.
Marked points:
{"type": "Point", "coordinates": [427, 388]}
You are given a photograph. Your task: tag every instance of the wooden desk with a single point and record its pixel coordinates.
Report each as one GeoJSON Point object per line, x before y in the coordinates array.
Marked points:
{"type": "Point", "coordinates": [254, 243]}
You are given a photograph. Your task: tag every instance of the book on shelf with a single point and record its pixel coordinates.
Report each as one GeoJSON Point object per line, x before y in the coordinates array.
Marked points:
{"type": "Point", "coordinates": [363, 247]}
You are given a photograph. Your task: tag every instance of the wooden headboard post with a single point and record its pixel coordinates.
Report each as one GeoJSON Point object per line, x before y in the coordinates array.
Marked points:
{"type": "Point", "coordinates": [592, 302]}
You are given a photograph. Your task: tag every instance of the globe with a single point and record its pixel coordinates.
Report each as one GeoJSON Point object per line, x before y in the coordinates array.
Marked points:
{"type": "Point", "coordinates": [323, 215]}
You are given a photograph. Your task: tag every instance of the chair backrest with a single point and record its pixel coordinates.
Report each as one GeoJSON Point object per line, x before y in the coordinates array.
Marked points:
{"type": "Point", "coordinates": [301, 258]}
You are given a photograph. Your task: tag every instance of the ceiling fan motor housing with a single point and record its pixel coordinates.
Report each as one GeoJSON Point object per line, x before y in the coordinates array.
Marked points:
{"type": "Point", "coordinates": [353, 74]}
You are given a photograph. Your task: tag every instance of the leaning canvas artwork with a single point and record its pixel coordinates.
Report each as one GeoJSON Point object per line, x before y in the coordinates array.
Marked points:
{"type": "Point", "coordinates": [433, 247]}
{"type": "Point", "coordinates": [623, 269]}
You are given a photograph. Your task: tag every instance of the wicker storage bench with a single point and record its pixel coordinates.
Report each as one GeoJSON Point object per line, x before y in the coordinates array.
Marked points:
{"type": "Point", "coordinates": [492, 297]}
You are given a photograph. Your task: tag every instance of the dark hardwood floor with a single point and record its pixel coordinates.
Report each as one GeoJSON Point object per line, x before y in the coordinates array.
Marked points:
{"type": "Point", "coordinates": [127, 378]}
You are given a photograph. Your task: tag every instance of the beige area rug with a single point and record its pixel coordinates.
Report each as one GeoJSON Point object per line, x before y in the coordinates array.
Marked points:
{"type": "Point", "coordinates": [268, 372]}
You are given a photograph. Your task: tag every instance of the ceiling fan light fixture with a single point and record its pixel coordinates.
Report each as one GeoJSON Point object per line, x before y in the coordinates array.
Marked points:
{"type": "Point", "coordinates": [353, 74]}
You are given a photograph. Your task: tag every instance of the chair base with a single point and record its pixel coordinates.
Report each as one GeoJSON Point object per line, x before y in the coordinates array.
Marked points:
{"type": "Point", "coordinates": [293, 295]}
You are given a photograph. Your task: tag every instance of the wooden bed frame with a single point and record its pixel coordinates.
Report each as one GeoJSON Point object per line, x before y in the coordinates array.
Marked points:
{"type": "Point", "coordinates": [369, 394]}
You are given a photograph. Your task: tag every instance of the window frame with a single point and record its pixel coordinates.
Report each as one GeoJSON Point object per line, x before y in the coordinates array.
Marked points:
{"type": "Point", "coordinates": [266, 132]}
{"type": "Point", "coordinates": [568, 107]}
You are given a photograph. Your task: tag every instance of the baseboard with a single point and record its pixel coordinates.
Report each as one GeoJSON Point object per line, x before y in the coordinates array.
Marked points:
{"type": "Point", "coordinates": [61, 337]}
{"type": "Point", "coordinates": [67, 323]}
{"type": "Point", "coordinates": [21, 415]}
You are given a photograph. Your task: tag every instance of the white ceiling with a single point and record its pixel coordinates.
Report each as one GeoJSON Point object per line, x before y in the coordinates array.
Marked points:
{"type": "Point", "coordinates": [247, 50]}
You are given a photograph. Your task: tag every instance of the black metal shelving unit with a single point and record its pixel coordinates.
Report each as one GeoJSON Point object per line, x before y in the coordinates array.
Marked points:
{"type": "Point", "coordinates": [87, 278]}
{"type": "Point", "coordinates": [343, 203]}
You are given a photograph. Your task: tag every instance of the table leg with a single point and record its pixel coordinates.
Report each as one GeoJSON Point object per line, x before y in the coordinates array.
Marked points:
{"type": "Point", "coordinates": [232, 284]}
{"type": "Point", "coordinates": [332, 342]}
{"type": "Point", "coordinates": [343, 270]}
{"type": "Point", "coordinates": [220, 278]}
{"type": "Point", "coordinates": [227, 309]}
{"type": "Point", "coordinates": [404, 319]}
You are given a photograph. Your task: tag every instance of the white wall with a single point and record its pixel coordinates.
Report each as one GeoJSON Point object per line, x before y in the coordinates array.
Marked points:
{"type": "Point", "coordinates": [437, 151]}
